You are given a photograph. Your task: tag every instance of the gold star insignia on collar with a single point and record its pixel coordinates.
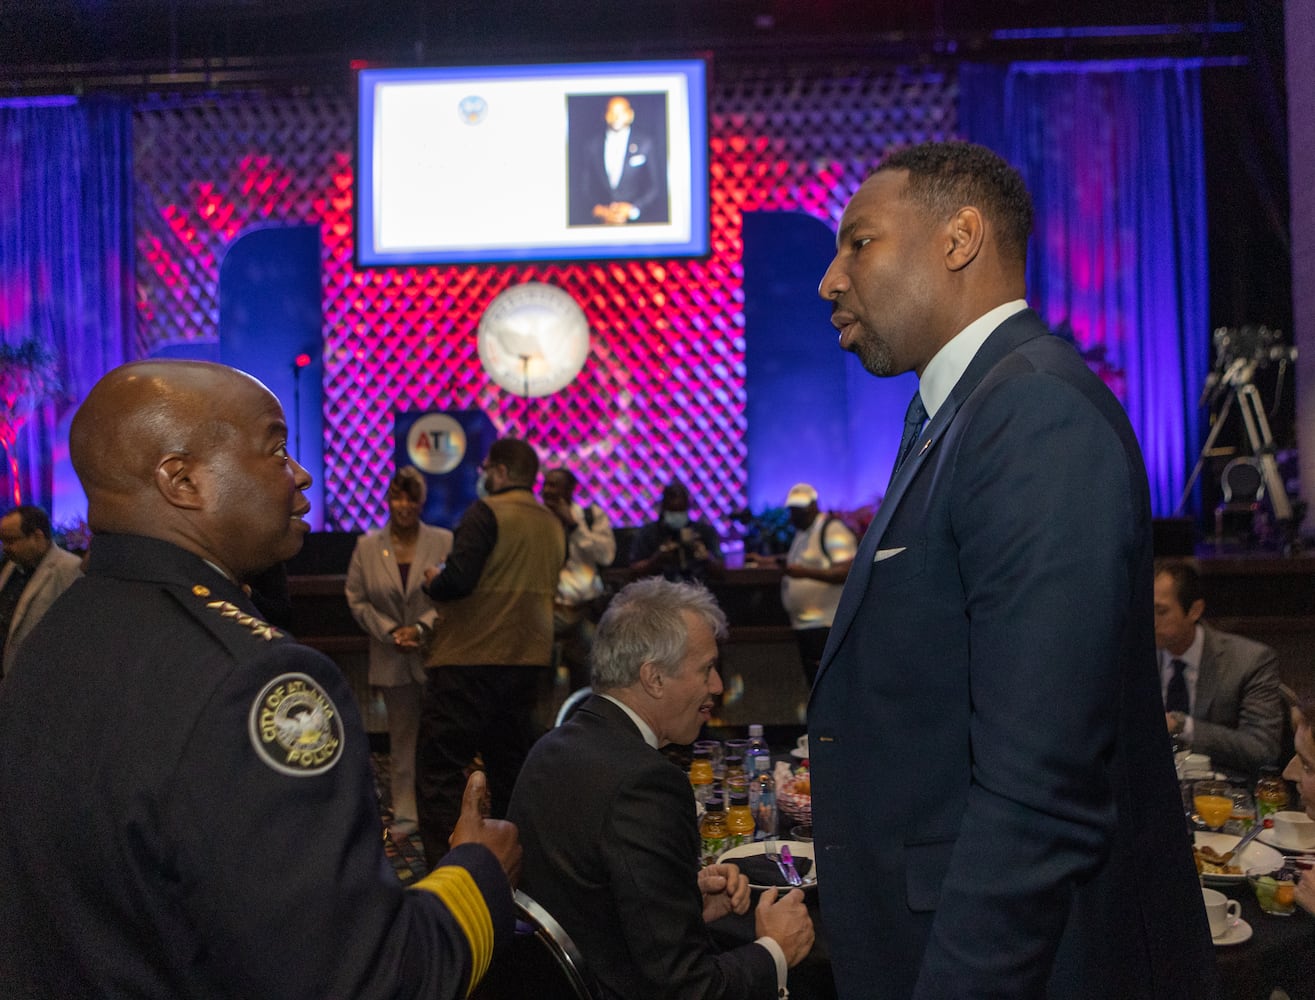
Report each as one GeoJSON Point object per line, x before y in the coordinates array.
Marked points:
{"type": "Point", "coordinates": [201, 591]}
{"type": "Point", "coordinates": [260, 629]}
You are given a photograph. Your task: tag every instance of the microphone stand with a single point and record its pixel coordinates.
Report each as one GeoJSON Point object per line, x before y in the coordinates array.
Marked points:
{"type": "Point", "coordinates": [296, 405]}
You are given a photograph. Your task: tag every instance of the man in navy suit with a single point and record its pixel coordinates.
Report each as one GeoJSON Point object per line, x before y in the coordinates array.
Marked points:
{"type": "Point", "coordinates": [993, 791]}
{"type": "Point", "coordinates": [618, 174]}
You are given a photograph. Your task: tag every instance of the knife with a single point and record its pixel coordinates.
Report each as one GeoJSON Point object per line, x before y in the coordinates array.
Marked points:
{"type": "Point", "coordinates": [788, 868]}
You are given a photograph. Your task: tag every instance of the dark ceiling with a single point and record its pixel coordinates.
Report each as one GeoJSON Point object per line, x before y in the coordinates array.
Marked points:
{"type": "Point", "coordinates": [62, 37]}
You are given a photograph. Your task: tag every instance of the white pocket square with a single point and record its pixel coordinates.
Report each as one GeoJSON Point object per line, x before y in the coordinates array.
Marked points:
{"type": "Point", "coordinates": [887, 553]}
{"type": "Point", "coordinates": [638, 160]}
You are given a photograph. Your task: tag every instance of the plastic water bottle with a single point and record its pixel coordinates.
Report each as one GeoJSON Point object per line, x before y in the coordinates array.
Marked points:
{"type": "Point", "coordinates": [762, 798]}
{"type": "Point", "coordinates": [757, 747]}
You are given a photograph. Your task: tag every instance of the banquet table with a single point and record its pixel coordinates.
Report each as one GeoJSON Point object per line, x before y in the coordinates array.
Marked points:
{"type": "Point", "coordinates": [1280, 953]}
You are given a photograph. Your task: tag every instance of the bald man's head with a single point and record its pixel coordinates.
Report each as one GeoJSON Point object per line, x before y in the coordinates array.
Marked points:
{"type": "Point", "coordinates": [194, 453]}
{"type": "Point", "coordinates": [139, 412]}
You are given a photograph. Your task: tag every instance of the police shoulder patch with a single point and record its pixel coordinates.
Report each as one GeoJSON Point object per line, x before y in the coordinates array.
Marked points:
{"type": "Point", "coordinates": [295, 726]}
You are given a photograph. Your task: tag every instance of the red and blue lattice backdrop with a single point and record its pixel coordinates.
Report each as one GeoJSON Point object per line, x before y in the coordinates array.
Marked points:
{"type": "Point", "coordinates": [662, 394]}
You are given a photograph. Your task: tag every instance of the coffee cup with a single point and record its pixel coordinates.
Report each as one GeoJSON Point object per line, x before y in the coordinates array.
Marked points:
{"type": "Point", "coordinates": [1221, 911]}
{"type": "Point", "coordinates": [801, 745]}
{"type": "Point", "coordinates": [1295, 829]}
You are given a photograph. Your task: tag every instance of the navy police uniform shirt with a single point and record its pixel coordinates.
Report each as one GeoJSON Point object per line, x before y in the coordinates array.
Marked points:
{"type": "Point", "coordinates": [188, 809]}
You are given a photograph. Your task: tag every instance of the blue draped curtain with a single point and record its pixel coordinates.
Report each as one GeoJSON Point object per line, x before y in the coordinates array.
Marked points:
{"type": "Point", "coordinates": [1114, 156]}
{"type": "Point", "coordinates": [65, 258]}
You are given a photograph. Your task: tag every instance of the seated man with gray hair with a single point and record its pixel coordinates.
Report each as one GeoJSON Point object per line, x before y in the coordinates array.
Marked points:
{"type": "Point", "coordinates": [608, 826]}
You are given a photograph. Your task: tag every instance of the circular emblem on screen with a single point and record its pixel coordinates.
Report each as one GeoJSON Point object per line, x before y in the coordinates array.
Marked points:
{"type": "Point", "coordinates": [473, 109]}
{"type": "Point", "coordinates": [295, 726]}
{"type": "Point", "coordinates": [436, 443]}
{"type": "Point", "coordinates": [533, 339]}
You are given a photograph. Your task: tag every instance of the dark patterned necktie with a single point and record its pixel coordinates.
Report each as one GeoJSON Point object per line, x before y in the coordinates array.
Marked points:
{"type": "Point", "coordinates": [914, 417]}
{"type": "Point", "coordinates": [9, 597]}
{"type": "Point", "coordinates": [1176, 698]}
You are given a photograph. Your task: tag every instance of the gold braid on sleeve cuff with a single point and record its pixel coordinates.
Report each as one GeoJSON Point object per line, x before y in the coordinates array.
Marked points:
{"type": "Point", "coordinates": [459, 893]}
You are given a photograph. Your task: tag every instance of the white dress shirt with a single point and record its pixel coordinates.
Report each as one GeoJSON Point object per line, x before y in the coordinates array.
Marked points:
{"type": "Point", "coordinates": [1192, 657]}
{"type": "Point", "coordinates": [615, 145]}
{"type": "Point", "coordinates": [951, 361]}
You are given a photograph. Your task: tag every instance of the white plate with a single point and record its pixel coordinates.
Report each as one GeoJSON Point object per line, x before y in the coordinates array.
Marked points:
{"type": "Point", "coordinates": [1253, 855]}
{"type": "Point", "coordinates": [1274, 839]}
{"type": "Point", "coordinates": [1239, 932]}
{"type": "Point", "coordinates": [798, 754]}
{"type": "Point", "coordinates": [799, 848]}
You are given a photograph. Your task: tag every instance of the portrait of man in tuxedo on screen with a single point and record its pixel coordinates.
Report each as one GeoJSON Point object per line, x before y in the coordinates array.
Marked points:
{"type": "Point", "coordinates": [617, 159]}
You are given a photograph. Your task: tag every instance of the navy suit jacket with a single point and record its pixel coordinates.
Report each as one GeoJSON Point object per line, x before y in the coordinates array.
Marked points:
{"type": "Point", "coordinates": [994, 795]}
{"type": "Point", "coordinates": [642, 181]}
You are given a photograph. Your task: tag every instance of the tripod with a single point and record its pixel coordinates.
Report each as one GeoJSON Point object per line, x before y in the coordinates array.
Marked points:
{"type": "Point", "coordinates": [1238, 378]}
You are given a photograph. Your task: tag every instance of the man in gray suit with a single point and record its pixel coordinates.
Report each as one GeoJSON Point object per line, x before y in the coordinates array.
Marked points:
{"type": "Point", "coordinates": [36, 571]}
{"type": "Point", "coordinates": [1221, 691]}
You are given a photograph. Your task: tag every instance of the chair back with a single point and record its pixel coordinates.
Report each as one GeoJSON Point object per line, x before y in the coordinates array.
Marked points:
{"type": "Point", "coordinates": [540, 962]}
{"type": "Point", "coordinates": [572, 702]}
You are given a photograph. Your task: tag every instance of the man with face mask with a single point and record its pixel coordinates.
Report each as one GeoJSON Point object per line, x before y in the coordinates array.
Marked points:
{"type": "Point", "coordinates": [492, 641]}
{"type": "Point", "coordinates": [674, 546]}
{"type": "Point", "coordinates": [814, 573]}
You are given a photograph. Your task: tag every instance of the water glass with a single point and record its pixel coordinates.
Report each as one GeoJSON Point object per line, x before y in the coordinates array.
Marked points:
{"type": "Point", "coordinates": [714, 754]}
{"type": "Point", "coordinates": [1243, 817]}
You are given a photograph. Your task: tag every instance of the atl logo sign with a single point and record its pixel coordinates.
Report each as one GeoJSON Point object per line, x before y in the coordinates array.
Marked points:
{"type": "Point", "coordinates": [436, 443]}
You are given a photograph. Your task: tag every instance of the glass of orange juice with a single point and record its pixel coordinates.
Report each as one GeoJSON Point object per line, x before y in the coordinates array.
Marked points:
{"type": "Point", "coordinates": [1213, 802]}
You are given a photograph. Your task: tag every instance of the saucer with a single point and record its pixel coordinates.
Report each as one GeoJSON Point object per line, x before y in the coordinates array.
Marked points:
{"type": "Point", "coordinates": [1236, 934]}
{"type": "Point", "coordinates": [1273, 839]}
{"type": "Point", "coordinates": [798, 754]}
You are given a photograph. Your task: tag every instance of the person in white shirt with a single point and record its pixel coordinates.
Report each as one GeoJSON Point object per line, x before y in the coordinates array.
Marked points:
{"type": "Point", "coordinates": [590, 546]}
{"type": "Point", "coordinates": [814, 574]}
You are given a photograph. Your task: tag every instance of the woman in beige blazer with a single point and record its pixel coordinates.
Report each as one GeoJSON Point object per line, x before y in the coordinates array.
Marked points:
{"type": "Point", "coordinates": [384, 584]}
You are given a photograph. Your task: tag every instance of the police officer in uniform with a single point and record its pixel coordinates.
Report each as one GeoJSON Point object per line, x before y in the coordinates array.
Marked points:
{"type": "Point", "coordinates": [188, 803]}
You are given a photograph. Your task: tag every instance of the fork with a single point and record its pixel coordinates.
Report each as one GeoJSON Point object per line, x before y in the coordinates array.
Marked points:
{"type": "Point", "coordinates": [1268, 824]}
{"type": "Point", "coordinates": [783, 861]}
